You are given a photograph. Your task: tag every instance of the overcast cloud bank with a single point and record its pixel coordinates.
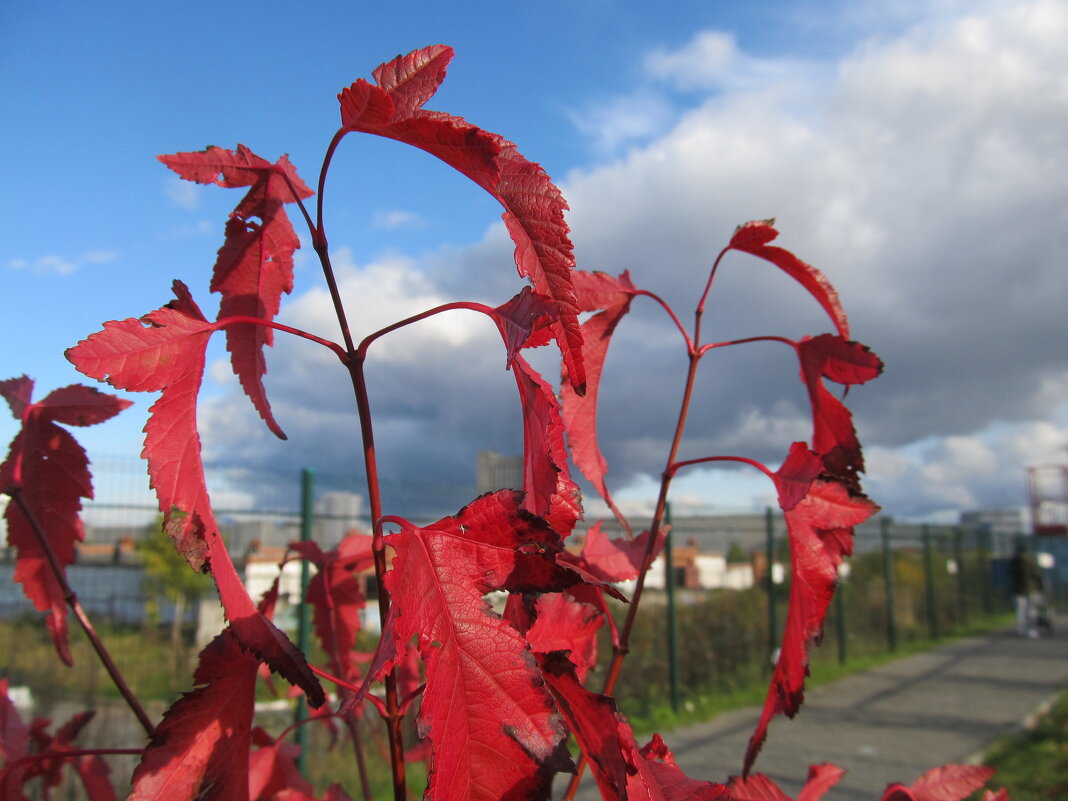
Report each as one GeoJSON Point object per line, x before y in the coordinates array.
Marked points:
{"type": "Point", "coordinates": [925, 175]}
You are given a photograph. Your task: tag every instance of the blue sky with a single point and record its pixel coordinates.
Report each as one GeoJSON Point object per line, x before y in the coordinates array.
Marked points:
{"type": "Point", "coordinates": [914, 151]}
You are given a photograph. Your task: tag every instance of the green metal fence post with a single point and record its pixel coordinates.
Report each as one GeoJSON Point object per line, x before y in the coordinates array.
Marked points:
{"type": "Point", "coordinates": [982, 552]}
{"type": "Point", "coordinates": [929, 583]}
{"type": "Point", "coordinates": [773, 626]}
{"type": "Point", "coordinates": [888, 577]}
{"type": "Point", "coordinates": [958, 559]}
{"type": "Point", "coordinates": [839, 619]}
{"type": "Point", "coordinates": [307, 529]}
{"type": "Point", "coordinates": [672, 619]}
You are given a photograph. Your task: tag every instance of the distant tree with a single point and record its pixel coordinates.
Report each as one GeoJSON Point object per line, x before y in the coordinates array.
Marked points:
{"type": "Point", "coordinates": [169, 577]}
{"type": "Point", "coordinates": [736, 554]}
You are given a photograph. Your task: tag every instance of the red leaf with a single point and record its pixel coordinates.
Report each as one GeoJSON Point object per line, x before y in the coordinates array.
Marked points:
{"type": "Point", "coordinates": [51, 472]}
{"type": "Point", "coordinates": [14, 736]}
{"type": "Point", "coordinates": [200, 750]}
{"type": "Point", "coordinates": [674, 784]}
{"type": "Point", "coordinates": [566, 624]}
{"type": "Point", "coordinates": [255, 263]}
{"type": "Point", "coordinates": [94, 773]}
{"type": "Point", "coordinates": [796, 475]}
{"type": "Point", "coordinates": [753, 237]}
{"type": "Point", "coordinates": [619, 559]}
{"type": "Point", "coordinates": [594, 291]}
{"type": "Point", "coordinates": [594, 720]}
{"type": "Point", "coordinates": [551, 493]}
{"type": "Point", "coordinates": [17, 392]}
{"type": "Point", "coordinates": [621, 770]}
{"type": "Point", "coordinates": [757, 787]}
{"type": "Point", "coordinates": [950, 782]}
{"type": "Point", "coordinates": [821, 778]}
{"type": "Point", "coordinates": [833, 435]}
{"type": "Point", "coordinates": [273, 769]}
{"type": "Point", "coordinates": [485, 710]}
{"type": "Point", "coordinates": [829, 507]}
{"type": "Point", "coordinates": [520, 317]}
{"type": "Point", "coordinates": [337, 597]}
{"type": "Point", "coordinates": [534, 207]}
{"type": "Point", "coordinates": [165, 352]}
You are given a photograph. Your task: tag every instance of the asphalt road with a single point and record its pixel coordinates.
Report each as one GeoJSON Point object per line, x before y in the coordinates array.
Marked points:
{"type": "Point", "coordinates": [890, 723]}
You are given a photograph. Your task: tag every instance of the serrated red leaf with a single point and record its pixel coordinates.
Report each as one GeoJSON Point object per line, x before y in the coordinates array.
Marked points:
{"type": "Point", "coordinates": [336, 595]}
{"type": "Point", "coordinates": [200, 750]}
{"type": "Point", "coordinates": [17, 392]}
{"type": "Point", "coordinates": [756, 787]}
{"type": "Point", "coordinates": [95, 776]}
{"type": "Point", "coordinates": [833, 435]}
{"type": "Point", "coordinates": [594, 291]}
{"type": "Point", "coordinates": [165, 352]}
{"type": "Point", "coordinates": [563, 623]}
{"type": "Point", "coordinates": [950, 782]}
{"type": "Point", "coordinates": [50, 471]}
{"type": "Point", "coordinates": [828, 507]}
{"type": "Point", "coordinates": [621, 769]}
{"type": "Point", "coordinates": [255, 264]}
{"type": "Point", "coordinates": [821, 778]}
{"type": "Point", "coordinates": [550, 491]}
{"type": "Point", "coordinates": [273, 770]}
{"type": "Point", "coordinates": [795, 476]}
{"type": "Point", "coordinates": [753, 238]}
{"type": "Point", "coordinates": [489, 720]}
{"type": "Point", "coordinates": [594, 720]}
{"type": "Point", "coordinates": [533, 206]}
{"type": "Point", "coordinates": [520, 317]}
{"type": "Point", "coordinates": [413, 79]}
{"type": "Point", "coordinates": [675, 785]}
{"type": "Point", "coordinates": [14, 734]}
{"type": "Point", "coordinates": [615, 560]}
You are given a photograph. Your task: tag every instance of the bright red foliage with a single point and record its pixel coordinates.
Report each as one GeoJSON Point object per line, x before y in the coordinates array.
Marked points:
{"type": "Point", "coordinates": [255, 264]}
{"type": "Point", "coordinates": [50, 471]}
{"type": "Point", "coordinates": [503, 693]}
{"type": "Point", "coordinates": [534, 207]}
{"type": "Point", "coordinates": [201, 748]}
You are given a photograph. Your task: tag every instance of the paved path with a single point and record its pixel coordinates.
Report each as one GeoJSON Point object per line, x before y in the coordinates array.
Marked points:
{"type": "Point", "coordinates": [891, 723]}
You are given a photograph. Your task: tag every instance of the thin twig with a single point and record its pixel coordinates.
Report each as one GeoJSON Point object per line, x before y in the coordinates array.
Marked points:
{"type": "Point", "coordinates": [79, 613]}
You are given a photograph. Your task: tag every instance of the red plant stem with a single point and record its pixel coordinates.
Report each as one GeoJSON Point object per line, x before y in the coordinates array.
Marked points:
{"type": "Point", "coordinates": [326, 343]}
{"type": "Point", "coordinates": [743, 459]}
{"type": "Point", "coordinates": [394, 717]}
{"type": "Point", "coordinates": [712, 345]}
{"type": "Point", "coordinates": [361, 352]}
{"type": "Point", "coordinates": [620, 651]}
{"type": "Point", "coordinates": [79, 614]}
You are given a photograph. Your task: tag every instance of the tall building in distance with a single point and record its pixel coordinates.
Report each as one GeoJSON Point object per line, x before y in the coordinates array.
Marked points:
{"type": "Point", "coordinates": [494, 471]}
{"type": "Point", "coordinates": [337, 513]}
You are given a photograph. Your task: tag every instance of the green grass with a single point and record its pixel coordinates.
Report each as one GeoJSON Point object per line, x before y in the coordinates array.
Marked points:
{"type": "Point", "coordinates": [1033, 765]}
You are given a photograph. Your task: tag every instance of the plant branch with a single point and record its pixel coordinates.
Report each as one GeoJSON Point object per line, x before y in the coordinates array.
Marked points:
{"type": "Point", "coordinates": [670, 313]}
{"type": "Point", "coordinates": [713, 345]}
{"type": "Point", "coordinates": [361, 352]}
{"type": "Point", "coordinates": [79, 613]}
{"type": "Point", "coordinates": [244, 320]}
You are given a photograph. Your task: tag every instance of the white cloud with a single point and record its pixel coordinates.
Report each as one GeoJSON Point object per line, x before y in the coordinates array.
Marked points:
{"type": "Point", "coordinates": [183, 194]}
{"type": "Point", "coordinates": [923, 173]}
{"type": "Point", "coordinates": [45, 265]}
{"type": "Point", "coordinates": [392, 219]}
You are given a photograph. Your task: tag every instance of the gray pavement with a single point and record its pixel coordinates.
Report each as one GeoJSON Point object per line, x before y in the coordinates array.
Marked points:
{"type": "Point", "coordinates": [890, 723]}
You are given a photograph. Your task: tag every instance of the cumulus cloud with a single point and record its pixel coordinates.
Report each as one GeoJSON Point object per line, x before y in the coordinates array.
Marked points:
{"type": "Point", "coordinates": [52, 264]}
{"type": "Point", "coordinates": [922, 172]}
